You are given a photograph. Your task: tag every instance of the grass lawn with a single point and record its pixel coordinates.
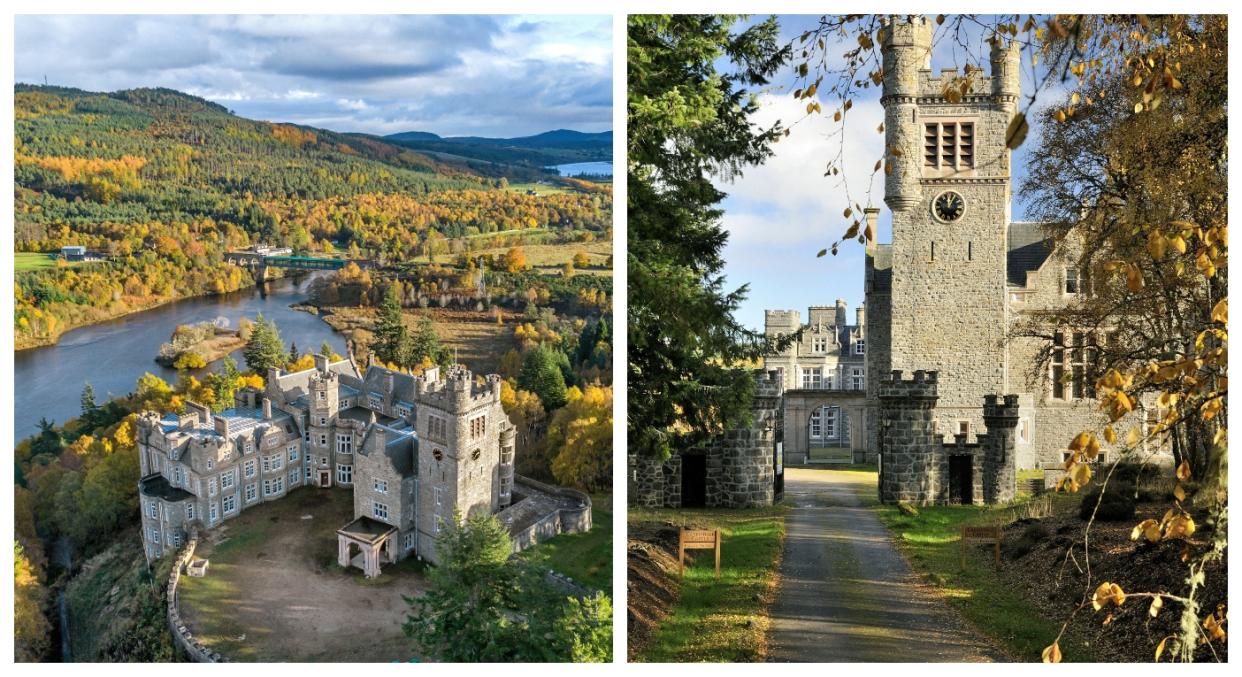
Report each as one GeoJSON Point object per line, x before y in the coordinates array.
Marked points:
{"type": "Point", "coordinates": [24, 262]}
{"type": "Point", "coordinates": [721, 620]}
{"type": "Point", "coordinates": [586, 558]}
{"type": "Point", "coordinates": [931, 543]}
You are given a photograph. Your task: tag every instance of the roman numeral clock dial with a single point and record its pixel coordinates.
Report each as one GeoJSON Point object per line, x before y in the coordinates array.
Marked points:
{"type": "Point", "coordinates": [948, 207]}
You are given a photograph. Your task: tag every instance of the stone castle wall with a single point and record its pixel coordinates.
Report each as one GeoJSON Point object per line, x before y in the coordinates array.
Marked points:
{"type": "Point", "coordinates": [194, 651]}
{"type": "Point", "coordinates": [916, 464]}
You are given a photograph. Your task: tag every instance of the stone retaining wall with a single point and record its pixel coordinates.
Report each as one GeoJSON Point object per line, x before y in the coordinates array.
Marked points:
{"type": "Point", "coordinates": [192, 649]}
{"type": "Point", "coordinates": [573, 516]}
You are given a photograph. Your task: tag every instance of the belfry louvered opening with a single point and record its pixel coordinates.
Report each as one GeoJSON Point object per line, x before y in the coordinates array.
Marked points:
{"type": "Point", "coordinates": [949, 145]}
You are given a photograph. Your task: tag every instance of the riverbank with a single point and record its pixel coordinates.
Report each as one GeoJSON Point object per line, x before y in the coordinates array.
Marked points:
{"type": "Point", "coordinates": [95, 316]}
{"type": "Point", "coordinates": [216, 347]}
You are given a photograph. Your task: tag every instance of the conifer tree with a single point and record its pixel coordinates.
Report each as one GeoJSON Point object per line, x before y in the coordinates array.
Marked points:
{"type": "Point", "coordinates": [392, 341]}
{"type": "Point", "coordinates": [264, 350]}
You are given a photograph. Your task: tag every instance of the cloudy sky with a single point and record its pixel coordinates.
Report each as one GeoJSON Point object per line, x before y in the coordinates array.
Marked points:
{"type": "Point", "coordinates": [779, 215]}
{"type": "Point", "coordinates": [453, 75]}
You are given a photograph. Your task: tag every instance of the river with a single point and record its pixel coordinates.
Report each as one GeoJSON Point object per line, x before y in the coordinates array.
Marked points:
{"type": "Point", "coordinates": [588, 168]}
{"type": "Point", "coordinates": [112, 355]}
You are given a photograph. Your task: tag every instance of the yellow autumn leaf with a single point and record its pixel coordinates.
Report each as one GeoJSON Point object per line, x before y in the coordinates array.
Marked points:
{"type": "Point", "coordinates": [1082, 474]}
{"type": "Point", "coordinates": [1220, 312]}
{"type": "Point", "coordinates": [1107, 593]}
{"type": "Point", "coordinates": [1052, 654]}
{"type": "Point", "coordinates": [1160, 648]}
{"type": "Point", "coordinates": [1181, 526]}
{"type": "Point", "coordinates": [1134, 278]}
{"type": "Point", "coordinates": [1179, 493]}
{"type": "Point", "coordinates": [1156, 603]}
{"type": "Point", "coordinates": [1132, 437]}
{"type": "Point", "coordinates": [1183, 471]}
{"type": "Point", "coordinates": [1178, 243]}
{"type": "Point", "coordinates": [1093, 448]}
{"type": "Point", "coordinates": [1147, 528]}
{"type": "Point", "coordinates": [1109, 435]}
{"type": "Point", "coordinates": [1156, 245]}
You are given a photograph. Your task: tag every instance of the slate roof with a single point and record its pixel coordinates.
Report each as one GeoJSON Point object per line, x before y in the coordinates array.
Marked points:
{"type": "Point", "coordinates": [297, 384]}
{"type": "Point", "coordinates": [157, 486]}
{"type": "Point", "coordinates": [401, 446]}
{"type": "Point", "coordinates": [1028, 248]}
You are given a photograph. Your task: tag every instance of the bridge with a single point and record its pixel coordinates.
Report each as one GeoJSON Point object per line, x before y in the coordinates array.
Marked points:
{"type": "Point", "coordinates": [263, 259]}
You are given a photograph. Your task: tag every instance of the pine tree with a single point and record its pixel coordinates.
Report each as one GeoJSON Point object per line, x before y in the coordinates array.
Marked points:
{"type": "Point", "coordinates": [392, 340]}
{"type": "Point", "coordinates": [293, 352]}
{"type": "Point", "coordinates": [541, 374]}
{"type": "Point", "coordinates": [88, 399]}
{"type": "Point", "coordinates": [426, 344]}
{"type": "Point", "coordinates": [689, 110]}
{"type": "Point", "coordinates": [326, 350]}
{"type": "Point", "coordinates": [264, 350]}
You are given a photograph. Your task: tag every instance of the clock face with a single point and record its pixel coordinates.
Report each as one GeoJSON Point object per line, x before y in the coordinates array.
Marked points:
{"type": "Point", "coordinates": [948, 206]}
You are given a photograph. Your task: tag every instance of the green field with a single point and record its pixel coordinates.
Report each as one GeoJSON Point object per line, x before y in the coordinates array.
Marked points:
{"type": "Point", "coordinates": [24, 262]}
{"type": "Point", "coordinates": [586, 558]}
{"type": "Point", "coordinates": [720, 620]}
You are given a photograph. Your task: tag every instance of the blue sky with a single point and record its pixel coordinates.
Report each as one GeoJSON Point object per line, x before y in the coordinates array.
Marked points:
{"type": "Point", "coordinates": [453, 75]}
{"type": "Point", "coordinates": [781, 214]}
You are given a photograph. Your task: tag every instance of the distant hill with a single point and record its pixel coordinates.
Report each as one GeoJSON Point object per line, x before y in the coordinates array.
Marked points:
{"type": "Point", "coordinates": [556, 147]}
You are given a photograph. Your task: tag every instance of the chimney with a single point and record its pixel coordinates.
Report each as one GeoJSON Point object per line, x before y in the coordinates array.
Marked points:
{"type": "Point", "coordinates": [222, 427]}
{"type": "Point", "coordinates": [841, 322]}
{"type": "Point", "coordinates": [321, 363]}
{"type": "Point", "coordinates": [871, 220]}
{"type": "Point", "coordinates": [200, 413]}
{"type": "Point", "coordinates": [859, 314]}
{"type": "Point", "coordinates": [267, 409]}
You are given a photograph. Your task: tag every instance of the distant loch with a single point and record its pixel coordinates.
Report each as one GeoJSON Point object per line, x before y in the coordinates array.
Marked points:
{"type": "Point", "coordinates": [581, 168]}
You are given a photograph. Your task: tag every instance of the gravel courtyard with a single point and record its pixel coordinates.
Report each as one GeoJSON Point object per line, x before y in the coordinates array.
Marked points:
{"type": "Point", "coordinates": [274, 592]}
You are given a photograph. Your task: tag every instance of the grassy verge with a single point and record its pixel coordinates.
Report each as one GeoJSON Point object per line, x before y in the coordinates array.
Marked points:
{"type": "Point", "coordinates": [931, 543]}
{"type": "Point", "coordinates": [586, 558]}
{"type": "Point", "coordinates": [725, 619]}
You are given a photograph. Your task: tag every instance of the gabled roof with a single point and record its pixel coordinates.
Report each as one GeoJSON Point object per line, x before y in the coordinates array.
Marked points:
{"type": "Point", "coordinates": [1028, 248]}
{"type": "Point", "coordinates": [400, 446]}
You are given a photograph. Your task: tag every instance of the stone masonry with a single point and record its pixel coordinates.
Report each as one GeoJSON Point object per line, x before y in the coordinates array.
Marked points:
{"type": "Point", "coordinates": [918, 466]}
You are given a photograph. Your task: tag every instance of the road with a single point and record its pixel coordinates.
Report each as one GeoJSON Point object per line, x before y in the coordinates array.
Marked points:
{"type": "Point", "coordinates": [846, 594]}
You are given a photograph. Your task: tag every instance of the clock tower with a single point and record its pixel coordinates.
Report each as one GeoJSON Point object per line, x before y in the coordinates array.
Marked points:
{"type": "Point", "coordinates": [949, 191]}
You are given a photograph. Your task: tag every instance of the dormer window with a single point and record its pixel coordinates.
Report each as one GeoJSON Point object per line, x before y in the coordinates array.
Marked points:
{"type": "Point", "coordinates": [819, 344]}
{"type": "Point", "coordinates": [860, 346]}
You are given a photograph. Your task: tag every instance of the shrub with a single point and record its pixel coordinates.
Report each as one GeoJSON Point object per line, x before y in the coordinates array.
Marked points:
{"type": "Point", "coordinates": [1118, 503]}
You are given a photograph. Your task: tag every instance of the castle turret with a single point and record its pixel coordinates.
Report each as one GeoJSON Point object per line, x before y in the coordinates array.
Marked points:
{"type": "Point", "coordinates": [859, 315]}
{"type": "Point", "coordinates": [1006, 59]}
{"type": "Point", "coordinates": [906, 47]}
{"type": "Point", "coordinates": [842, 312]}
{"type": "Point", "coordinates": [508, 438]}
{"type": "Point", "coordinates": [999, 463]}
{"type": "Point", "coordinates": [907, 435]}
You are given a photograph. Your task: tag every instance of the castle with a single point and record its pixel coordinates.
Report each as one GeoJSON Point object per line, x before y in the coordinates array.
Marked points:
{"type": "Point", "coordinates": [414, 450]}
{"type": "Point", "coordinates": [951, 401]}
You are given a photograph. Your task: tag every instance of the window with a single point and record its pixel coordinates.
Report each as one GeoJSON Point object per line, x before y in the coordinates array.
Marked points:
{"type": "Point", "coordinates": [963, 428]}
{"type": "Point", "coordinates": [437, 427]}
{"type": "Point", "coordinates": [408, 541]}
{"type": "Point", "coordinates": [249, 468]}
{"type": "Point", "coordinates": [375, 401]}
{"type": "Point", "coordinates": [933, 250]}
{"type": "Point", "coordinates": [176, 476]}
{"type": "Point", "coordinates": [267, 487]}
{"type": "Point", "coordinates": [210, 464]}
{"type": "Point", "coordinates": [949, 145]}
{"type": "Point", "coordinates": [381, 486]}
{"type": "Point", "coordinates": [213, 513]}
{"type": "Point", "coordinates": [403, 411]}
{"type": "Point", "coordinates": [830, 422]}
{"type": "Point", "coordinates": [819, 344]}
{"type": "Point", "coordinates": [344, 474]}
{"type": "Point", "coordinates": [816, 424]}
{"type": "Point", "coordinates": [267, 465]}
{"type": "Point", "coordinates": [176, 539]}
{"type": "Point", "coordinates": [211, 487]}
{"type": "Point", "coordinates": [294, 478]}
{"type": "Point", "coordinates": [439, 509]}
{"type": "Point", "coordinates": [306, 435]}
{"type": "Point", "coordinates": [278, 462]}
{"type": "Point", "coordinates": [1072, 285]}
{"type": "Point", "coordinates": [478, 426]}
{"type": "Point", "coordinates": [152, 510]}
{"type": "Point", "coordinates": [230, 504]}
{"type": "Point", "coordinates": [278, 485]}
{"type": "Point", "coordinates": [323, 439]}
{"type": "Point", "coordinates": [323, 395]}
{"type": "Point", "coordinates": [379, 510]}
{"type": "Point", "coordinates": [226, 480]}
{"type": "Point", "coordinates": [344, 444]}
{"type": "Point", "coordinates": [155, 535]}
{"type": "Point", "coordinates": [856, 377]}
{"type": "Point", "coordinates": [189, 512]}
{"type": "Point", "coordinates": [308, 473]}
{"type": "Point", "coordinates": [252, 492]}
{"type": "Point", "coordinates": [293, 453]}
{"type": "Point", "coordinates": [1070, 378]}
{"type": "Point", "coordinates": [860, 346]}
{"type": "Point", "coordinates": [811, 378]}
{"type": "Point", "coordinates": [273, 441]}
{"type": "Point", "coordinates": [970, 251]}
{"type": "Point", "coordinates": [342, 405]}
{"type": "Point", "coordinates": [249, 446]}
{"type": "Point", "coordinates": [1024, 430]}
{"type": "Point", "coordinates": [323, 420]}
